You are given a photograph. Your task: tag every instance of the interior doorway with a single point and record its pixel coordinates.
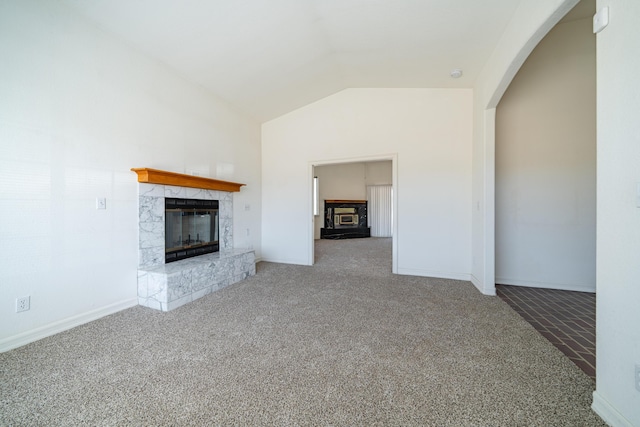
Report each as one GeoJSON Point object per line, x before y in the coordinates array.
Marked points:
{"type": "Point", "coordinates": [351, 179]}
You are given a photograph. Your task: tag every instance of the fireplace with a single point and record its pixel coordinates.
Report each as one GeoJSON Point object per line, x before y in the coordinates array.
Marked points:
{"type": "Point", "coordinates": [191, 228]}
{"type": "Point", "coordinates": [197, 220]}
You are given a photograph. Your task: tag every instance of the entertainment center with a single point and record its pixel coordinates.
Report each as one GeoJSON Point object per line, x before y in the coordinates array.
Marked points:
{"type": "Point", "coordinates": [345, 219]}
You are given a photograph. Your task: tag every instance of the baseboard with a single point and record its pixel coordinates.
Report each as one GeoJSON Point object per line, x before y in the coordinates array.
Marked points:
{"type": "Point", "coordinates": [27, 337]}
{"type": "Point", "coordinates": [607, 412]}
{"type": "Point", "coordinates": [283, 261]}
{"type": "Point", "coordinates": [560, 286]}
{"type": "Point", "coordinates": [478, 284]}
{"type": "Point", "coordinates": [439, 274]}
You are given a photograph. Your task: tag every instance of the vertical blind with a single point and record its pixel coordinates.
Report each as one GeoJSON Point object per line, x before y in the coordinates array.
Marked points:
{"type": "Point", "coordinates": [380, 210]}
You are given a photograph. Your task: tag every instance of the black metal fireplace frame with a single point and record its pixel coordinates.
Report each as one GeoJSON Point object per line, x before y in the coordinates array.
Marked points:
{"type": "Point", "coordinates": [201, 249]}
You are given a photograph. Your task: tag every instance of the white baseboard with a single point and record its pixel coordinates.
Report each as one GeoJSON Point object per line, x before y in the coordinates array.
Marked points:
{"type": "Point", "coordinates": [438, 274]}
{"type": "Point", "coordinates": [607, 412]}
{"type": "Point", "coordinates": [284, 261]}
{"type": "Point", "coordinates": [478, 284]}
{"type": "Point", "coordinates": [577, 287]}
{"type": "Point", "coordinates": [27, 337]}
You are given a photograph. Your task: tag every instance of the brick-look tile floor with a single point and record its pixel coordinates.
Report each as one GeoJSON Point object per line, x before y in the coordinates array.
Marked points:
{"type": "Point", "coordinates": [567, 319]}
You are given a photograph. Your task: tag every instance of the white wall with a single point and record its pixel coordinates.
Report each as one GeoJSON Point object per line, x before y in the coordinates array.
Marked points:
{"type": "Point", "coordinates": [618, 215]}
{"type": "Point", "coordinates": [78, 109]}
{"type": "Point", "coordinates": [429, 129]}
{"type": "Point", "coordinates": [378, 173]}
{"type": "Point", "coordinates": [342, 181]}
{"type": "Point", "coordinates": [546, 165]}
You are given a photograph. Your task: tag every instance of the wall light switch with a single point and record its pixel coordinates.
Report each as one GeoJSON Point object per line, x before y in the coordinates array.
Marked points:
{"type": "Point", "coordinates": [101, 203]}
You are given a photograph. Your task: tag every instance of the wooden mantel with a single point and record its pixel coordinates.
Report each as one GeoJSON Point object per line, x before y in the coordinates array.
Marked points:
{"type": "Point", "coordinates": [345, 201]}
{"type": "Point", "coordinates": [155, 176]}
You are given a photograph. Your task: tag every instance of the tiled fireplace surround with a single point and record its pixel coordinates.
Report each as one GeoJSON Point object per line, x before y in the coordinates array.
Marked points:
{"type": "Point", "coordinates": [167, 286]}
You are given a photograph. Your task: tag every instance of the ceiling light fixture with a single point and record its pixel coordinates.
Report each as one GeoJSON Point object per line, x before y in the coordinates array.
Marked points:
{"type": "Point", "coordinates": [456, 73]}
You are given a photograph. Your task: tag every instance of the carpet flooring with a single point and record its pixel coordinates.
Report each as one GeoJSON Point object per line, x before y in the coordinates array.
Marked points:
{"type": "Point", "coordinates": [342, 343]}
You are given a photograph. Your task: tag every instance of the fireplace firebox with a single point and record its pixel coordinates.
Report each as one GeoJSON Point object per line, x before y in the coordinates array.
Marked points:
{"type": "Point", "coordinates": [191, 228]}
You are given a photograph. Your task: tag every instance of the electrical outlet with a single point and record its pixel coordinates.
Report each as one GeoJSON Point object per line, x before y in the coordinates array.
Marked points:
{"type": "Point", "coordinates": [23, 304]}
{"type": "Point", "coordinates": [637, 381]}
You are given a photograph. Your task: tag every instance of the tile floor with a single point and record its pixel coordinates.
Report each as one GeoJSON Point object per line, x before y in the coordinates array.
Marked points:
{"type": "Point", "coordinates": [567, 319]}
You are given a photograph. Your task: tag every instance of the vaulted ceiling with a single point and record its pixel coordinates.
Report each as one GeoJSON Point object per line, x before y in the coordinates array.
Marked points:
{"type": "Point", "coordinates": [268, 57]}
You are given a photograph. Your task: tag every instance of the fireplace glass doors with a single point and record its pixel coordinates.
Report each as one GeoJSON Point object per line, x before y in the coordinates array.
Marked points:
{"type": "Point", "coordinates": [191, 228]}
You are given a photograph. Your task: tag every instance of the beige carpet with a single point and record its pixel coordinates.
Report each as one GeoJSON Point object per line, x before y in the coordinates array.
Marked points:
{"type": "Point", "coordinates": [341, 343]}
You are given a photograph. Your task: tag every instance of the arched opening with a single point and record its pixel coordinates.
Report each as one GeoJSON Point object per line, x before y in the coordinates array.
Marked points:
{"type": "Point", "coordinates": [545, 188]}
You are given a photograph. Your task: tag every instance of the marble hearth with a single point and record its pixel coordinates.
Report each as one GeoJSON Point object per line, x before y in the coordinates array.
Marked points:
{"type": "Point", "coordinates": [172, 285]}
{"type": "Point", "coordinates": [167, 286]}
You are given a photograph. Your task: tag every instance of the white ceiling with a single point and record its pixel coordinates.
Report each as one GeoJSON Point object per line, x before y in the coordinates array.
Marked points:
{"type": "Point", "coordinates": [269, 57]}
